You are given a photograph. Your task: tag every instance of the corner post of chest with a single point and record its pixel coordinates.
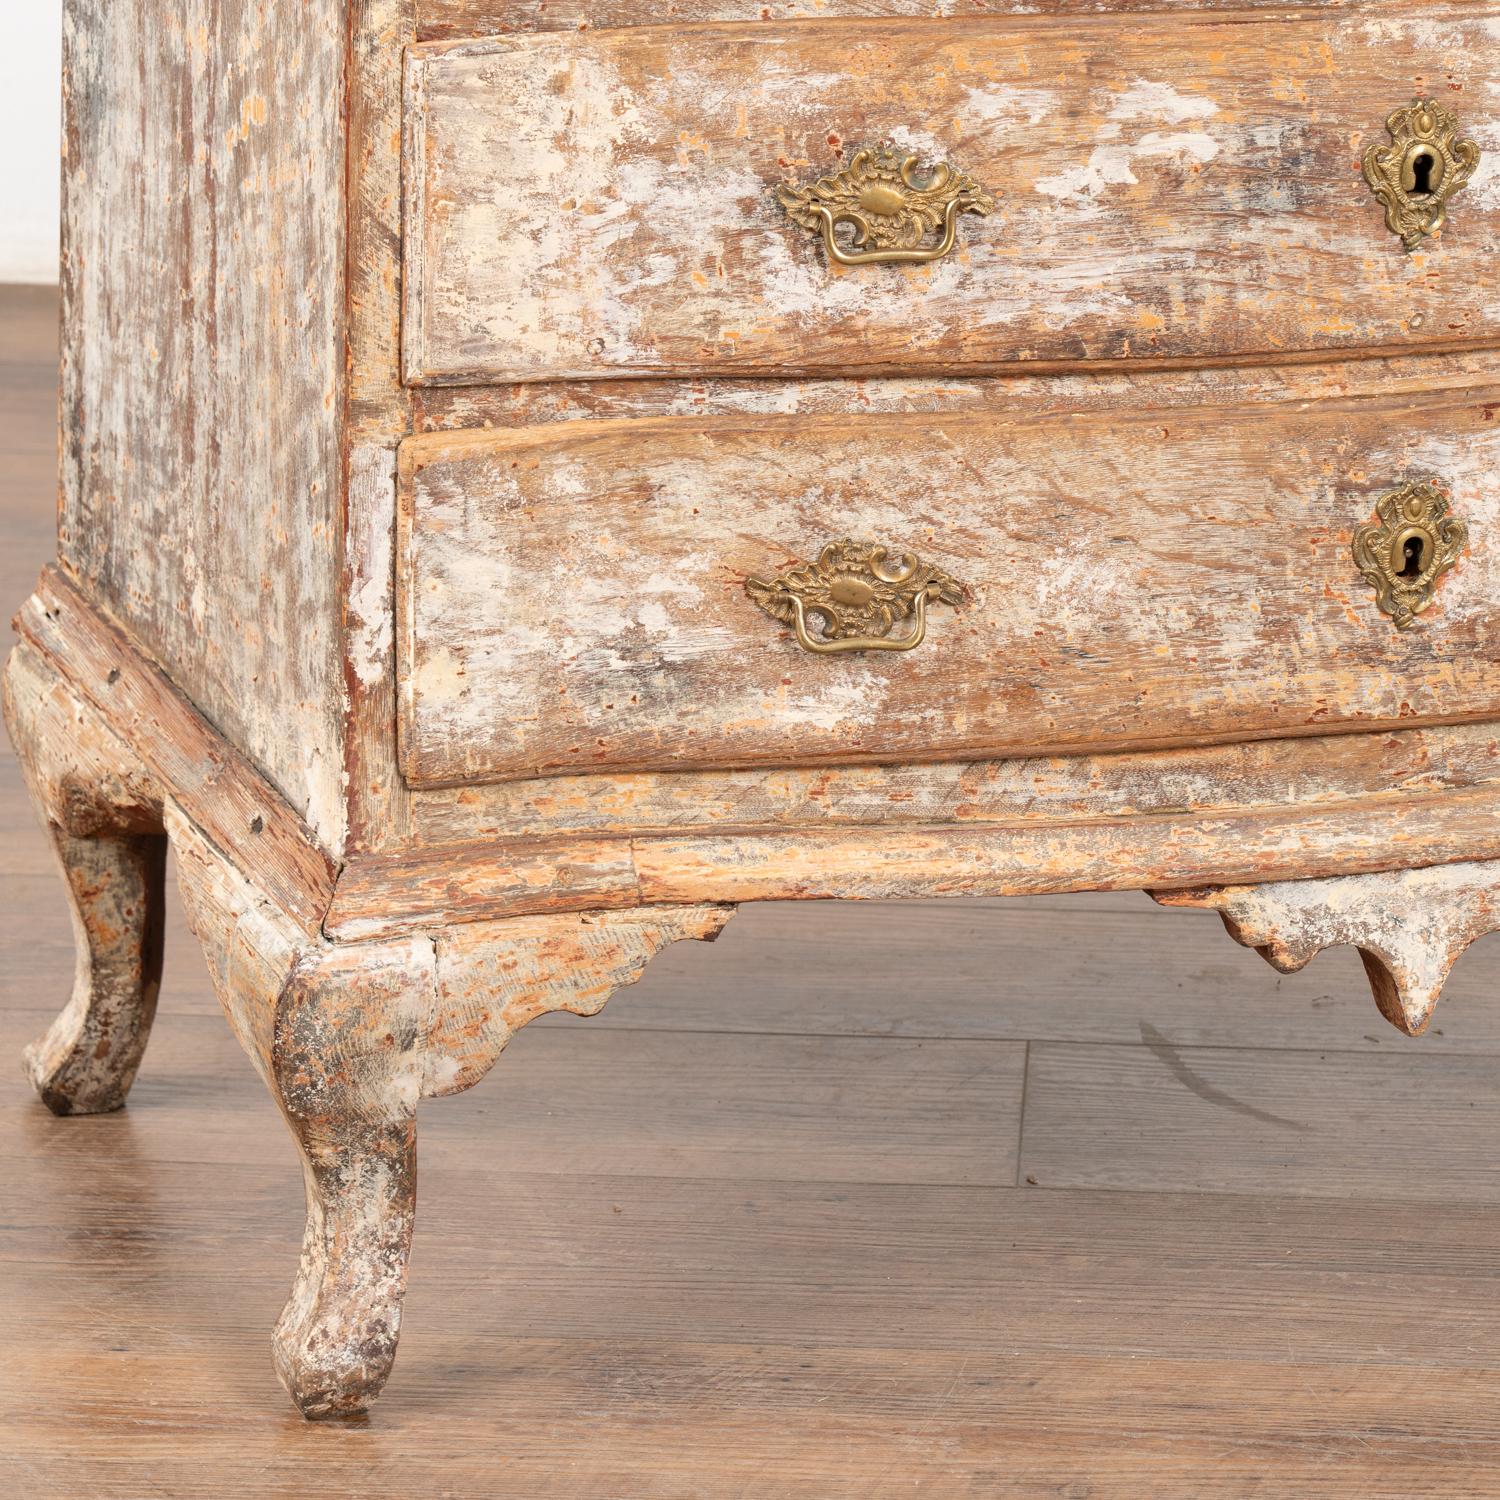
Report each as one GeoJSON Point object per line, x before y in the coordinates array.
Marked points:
{"type": "Point", "coordinates": [1410, 926]}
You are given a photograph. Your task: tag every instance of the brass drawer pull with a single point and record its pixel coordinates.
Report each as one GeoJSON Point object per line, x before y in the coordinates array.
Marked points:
{"type": "Point", "coordinates": [1410, 547]}
{"type": "Point", "coordinates": [859, 594]}
{"type": "Point", "coordinates": [889, 205]}
{"type": "Point", "coordinates": [1422, 168]}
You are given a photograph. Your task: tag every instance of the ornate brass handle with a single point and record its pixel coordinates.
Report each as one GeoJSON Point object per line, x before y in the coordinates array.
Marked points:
{"type": "Point", "coordinates": [859, 594]}
{"type": "Point", "coordinates": [1410, 547]}
{"type": "Point", "coordinates": [1422, 168]}
{"type": "Point", "coordinates": [889, 205]}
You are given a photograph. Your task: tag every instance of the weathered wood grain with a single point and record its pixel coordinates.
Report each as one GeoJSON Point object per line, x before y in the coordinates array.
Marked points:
{"type": "Point", "coordinates": [921, 793]}
{"type": "Point", "coordinates": [380, 895]}
{"type": "Point", "coordinates": [377, 417]}
{"type": "Point", "coordinates": [1001, 860]}
{"type": "Point", "coordinates": [203, 253]}
{"type": "Point", "coordinates": [455, 408]}
{"type": "Point", "coordinates": [602, 202]}
{"type": "Point", "coordinates": [454, 19]}
{"type": "Point", "coordinates": [1211, 780]}
{"type": "Point", "coordinates": [573, 595]}
{"type": "Point", "coordinates": [492, 978]}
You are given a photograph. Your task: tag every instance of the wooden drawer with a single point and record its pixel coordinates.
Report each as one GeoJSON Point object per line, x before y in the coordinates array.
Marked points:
{"type": "Point", "coordinates": [1182, 187]}
{"type": "Point", "coordinates": [573, 598]}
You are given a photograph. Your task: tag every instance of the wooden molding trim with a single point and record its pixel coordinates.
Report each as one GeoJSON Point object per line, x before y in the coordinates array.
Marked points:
{"type": "Point", "coordinates": [387, 893]}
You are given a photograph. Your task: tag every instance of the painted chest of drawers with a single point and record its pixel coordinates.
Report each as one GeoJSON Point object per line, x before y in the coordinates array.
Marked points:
{"type": "Point", "coordinates": [536, 476]}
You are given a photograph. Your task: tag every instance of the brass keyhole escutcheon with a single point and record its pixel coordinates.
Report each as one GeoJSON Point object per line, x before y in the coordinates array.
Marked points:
{"type": "Point", "coordinates": [1408, 552]}
{"type": "Point", "coordinates": [1423, 167]}
{"type": "Point", "coordinates": [1403, 554]}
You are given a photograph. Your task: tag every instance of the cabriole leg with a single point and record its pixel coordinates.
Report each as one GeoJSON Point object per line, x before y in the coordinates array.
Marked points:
{"type": "Point", "coordinates": [106, 830]}
{"type": "Point", "coordinates": [344, 1062]}
{"type": "Point", "coordinates": [336, 1033]}
{"type": "Point", "coordinates": [349, 1037]}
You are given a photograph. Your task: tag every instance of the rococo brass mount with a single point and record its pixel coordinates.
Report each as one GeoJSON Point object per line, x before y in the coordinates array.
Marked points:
{"type": "Point", "coordinates": [1410, 547]}
{"type": "Point", "coordinates": [889, 205]}
{"type": "Point", "coordinates": [1422, 168]}
{"type": "Point", "coordinates": [859, 593]}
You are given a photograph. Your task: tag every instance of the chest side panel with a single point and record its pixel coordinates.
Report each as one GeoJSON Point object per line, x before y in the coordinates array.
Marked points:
{"type": "Point", "coordinates": [202, 359]}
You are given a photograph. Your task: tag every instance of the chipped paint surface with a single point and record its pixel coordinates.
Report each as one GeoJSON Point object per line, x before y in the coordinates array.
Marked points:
{"type": "Point", "coordinates": [1410, 926]}
{"type": "Point", "coordinates": [455, 409]}
{"type": "Point", "coordinates": [370, 615]}
{"type": "Point", "coordinates": [202, 286]}
{"type": "Point", "coordinates": [573, 597]}
{"type": "Point", "coordinates": [444, 19]}
{"type": "Point", "coordinates": [1161, 556]}
{"type": "Point", "coordinates": [602, 202]}
{"type": "Point", "coordinates": [494, 977]}
{"type": "Point", "coordinates": [1110, 162]}
{"type": "Point", "coordinates": [1211, 781]}
{"type": "Point", "coordinates": [173, 746]}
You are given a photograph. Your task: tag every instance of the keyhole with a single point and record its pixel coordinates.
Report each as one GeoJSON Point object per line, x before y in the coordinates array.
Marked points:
{"type": "Point", "coordinates": [1412, 553]}
{"type": "Point", "coordinates": [1422, 167]}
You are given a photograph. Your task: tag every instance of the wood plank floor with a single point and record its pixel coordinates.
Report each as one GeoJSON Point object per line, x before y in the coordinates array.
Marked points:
{"type": "Point", "coordinates": [1065, 1198]}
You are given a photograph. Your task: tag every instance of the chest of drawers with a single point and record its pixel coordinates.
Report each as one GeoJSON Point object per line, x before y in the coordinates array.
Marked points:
{"type": "Point", "coordinates": [534, 478]}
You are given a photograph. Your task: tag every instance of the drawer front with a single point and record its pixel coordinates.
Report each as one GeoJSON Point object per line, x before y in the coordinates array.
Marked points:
{"type": "Point", "coordinates": [573, 597]}
{"type": "Point", "coordinates": [1186, 186]}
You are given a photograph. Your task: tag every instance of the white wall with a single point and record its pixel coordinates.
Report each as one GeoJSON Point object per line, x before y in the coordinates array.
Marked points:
{"type": "Point", "coordinates": [30, 123]}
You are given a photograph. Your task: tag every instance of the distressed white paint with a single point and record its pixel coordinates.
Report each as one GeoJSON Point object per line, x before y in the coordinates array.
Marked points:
{"type": "Point", "coordinates": [603, 202]}
{"type": "Point", "coordinates": [1411, 926]}
{"type": "Point", "coordinates": [573, 595]}
{"type": "Point", "coordinates": [203, 361]}
{"type": "Point", "coordinates": [1111, 162]}
{"type": "Point", "coordinates": [369, 620]}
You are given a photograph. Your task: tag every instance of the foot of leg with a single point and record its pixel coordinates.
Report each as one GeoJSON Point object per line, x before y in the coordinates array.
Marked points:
{"type": "Point", "coordinates": [336, 1340]}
